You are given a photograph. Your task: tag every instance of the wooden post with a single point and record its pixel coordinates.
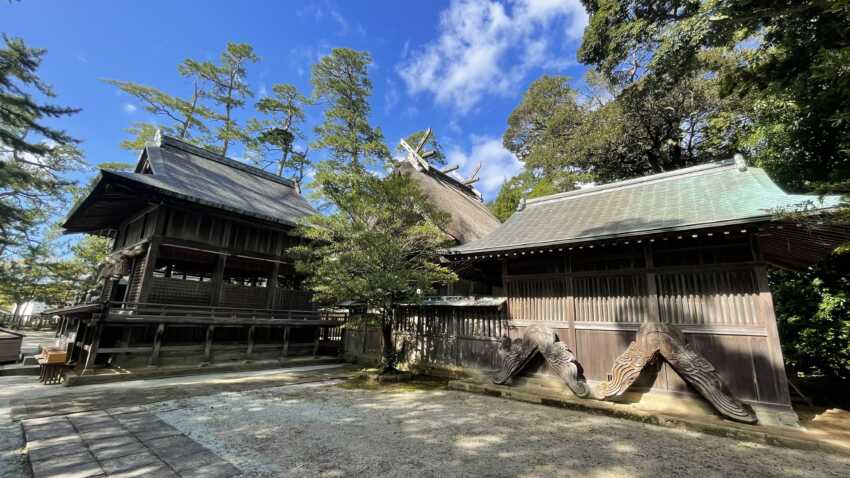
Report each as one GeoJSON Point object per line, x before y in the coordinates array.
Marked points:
{"type": "Point", "coordinates": [651, 286]}
{"type": "Point", "coordinates": [768, 318]}
{"type": "Point", "coordinates": [250, 342]}
{"type": "Point", "coordinates": [157, 343]}
{"type": "Point", "coordinates": [318, 336]}
{"type": "Point", "coordinates": [272, 286]}
{"type": "Point", "coordinates": [285, 351]}
{"type": "Point", "coordinates": [149, 265]}
{"type": "Point", "coordinates": [218, 280]}
{"type": "Point", "coordinates": [208, 343]}
{"type": "Point", "coordinates": [569, 290]}
{"type": "Point", "coordinates": [93, 346]}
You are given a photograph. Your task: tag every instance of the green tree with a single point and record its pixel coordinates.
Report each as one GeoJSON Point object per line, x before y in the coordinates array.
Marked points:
{"type": "Point", "coordinates": [341, 80]}
{"type": "Point", "coordinates": [791, 71]}
{"type": "Point", "coordinates": [276, 136]}
{"type": "Point", "coordinates": [379, 246]}
{"type": "Point", "coordinates": [184, 118]}
{"type": "Point", "coordinates": [522, 186]}
{"type": "Point", "coordinates": [229, 88]}
{"type": "Point", "coordinates": [34, 157]}
{"type": "Point", "coordinates": [813, 311]}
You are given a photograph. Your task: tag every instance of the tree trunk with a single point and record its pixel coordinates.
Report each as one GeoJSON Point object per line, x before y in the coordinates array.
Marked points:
{"type": "Point", "coordinates": [389, 352]}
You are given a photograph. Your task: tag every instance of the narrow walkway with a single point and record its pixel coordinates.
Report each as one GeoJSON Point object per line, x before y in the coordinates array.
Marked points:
{"type": "Point", "coordinates": [139, 392]}
{"type": "Point", "coordinates": [119, 442]}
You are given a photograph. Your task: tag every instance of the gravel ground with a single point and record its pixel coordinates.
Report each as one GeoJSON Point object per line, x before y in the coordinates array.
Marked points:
{"type": "Point", "coordinates": [329, 431]}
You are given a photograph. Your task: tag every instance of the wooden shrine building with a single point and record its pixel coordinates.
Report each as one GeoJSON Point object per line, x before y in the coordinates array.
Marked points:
{"type": "Point", "coordinates": [198, 270]}
{"type": "Point", "coordinates": [656, 284]}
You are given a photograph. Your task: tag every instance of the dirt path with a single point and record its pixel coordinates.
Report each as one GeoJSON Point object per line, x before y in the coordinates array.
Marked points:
{"type": "Point", "coordinates": [321, 430]}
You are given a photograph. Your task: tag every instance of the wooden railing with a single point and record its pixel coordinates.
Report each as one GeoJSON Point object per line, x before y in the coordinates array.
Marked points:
{"type": "Point", "coordinates": [31, 322]}
{"type": "Point", "coordinates": [152, 312]}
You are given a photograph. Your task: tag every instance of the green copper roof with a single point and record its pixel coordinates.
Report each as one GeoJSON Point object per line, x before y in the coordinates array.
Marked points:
{"type": "Point", "coordinates": [702, 196]}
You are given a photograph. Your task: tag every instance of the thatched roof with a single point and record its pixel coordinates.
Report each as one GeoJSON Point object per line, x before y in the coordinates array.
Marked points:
{"type": "Point", "coordinates": [470, 218]}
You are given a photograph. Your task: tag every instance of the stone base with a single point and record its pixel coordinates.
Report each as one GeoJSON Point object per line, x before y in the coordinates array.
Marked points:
{"type": "Point", "coordinates": [763, 433]}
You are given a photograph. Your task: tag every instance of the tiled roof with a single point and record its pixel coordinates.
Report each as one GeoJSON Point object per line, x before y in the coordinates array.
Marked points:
{"type": "Point", "coordinates": [186, 172]}
{"type": "Point", "coordinates": [702, 196]}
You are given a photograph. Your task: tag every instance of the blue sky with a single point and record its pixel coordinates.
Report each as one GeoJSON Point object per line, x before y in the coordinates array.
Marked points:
{"type": "Point", "coordinates": [459, 67]}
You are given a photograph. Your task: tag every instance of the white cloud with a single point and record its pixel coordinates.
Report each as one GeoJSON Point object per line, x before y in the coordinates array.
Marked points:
{"type": "Point", "coordinates": [340, 22]}
{"type": "Point", "coordinates": [477, 39]}
{"type": "Point", "coordinates": [130, 108]}
{"type": "Point", "coordinates": [390, 97]}
{"type": "Point", "coordinates": [497, 163]}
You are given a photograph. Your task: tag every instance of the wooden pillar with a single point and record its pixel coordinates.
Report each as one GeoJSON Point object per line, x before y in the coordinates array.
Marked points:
{"type": "Point", "coordinates": [569, 290]}
{"type": "Point", "coordinates": [250, 350]}
{"type": "Point", "coordinates": [316, 338]}
{"type": "Point", "coordinates": [272, 286]}
{"type": "Point", "coordinates": [218, 280]}
{"type": "Point", "coordinates": [651, 286]}
{"type": "Point", "coordinates": [208, 343]}
{"type": "Point", "coordinates": [93, 344]}
{"type": "Point", "coordinates": [157, 344]}
{"type": "Point", "coordinates": [149, 264]}
{"type": "Point", "coordinates": [285, 351]}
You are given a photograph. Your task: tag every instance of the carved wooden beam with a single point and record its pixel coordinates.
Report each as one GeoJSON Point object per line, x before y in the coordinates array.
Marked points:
{"type": "Point", "coordinates": [517, 354]}
{"type": "Point", "coordinates": [655, 339]}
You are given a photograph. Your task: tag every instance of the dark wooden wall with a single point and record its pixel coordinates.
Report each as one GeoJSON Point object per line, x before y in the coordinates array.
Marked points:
{"type": "Point", "coordinates": [715, 291]}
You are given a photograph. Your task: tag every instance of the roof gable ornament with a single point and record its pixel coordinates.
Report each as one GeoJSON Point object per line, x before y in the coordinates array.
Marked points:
{"type": "Point", "coordinates": [415, 156]}
{"type": "Point", "coordinates": [740, 162]}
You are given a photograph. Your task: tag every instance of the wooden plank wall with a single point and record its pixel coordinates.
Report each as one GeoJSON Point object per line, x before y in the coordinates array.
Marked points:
{"type": "Point", "coordinates": [724, 310]}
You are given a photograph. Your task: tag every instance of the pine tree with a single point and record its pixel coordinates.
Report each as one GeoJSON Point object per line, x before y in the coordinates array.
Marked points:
{"type": "Point", "coordinates": [229, 88]}
{"type": "Point", "coordinates": [341, 80]}
{"type": "Point", "coordinates": [277, 135]}
{"type": "Point", "coordinates": [33, 156]}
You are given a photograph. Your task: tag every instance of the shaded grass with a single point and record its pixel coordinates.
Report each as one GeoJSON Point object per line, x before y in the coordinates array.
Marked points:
{"type": "Point", "coordinates": [361, 381]}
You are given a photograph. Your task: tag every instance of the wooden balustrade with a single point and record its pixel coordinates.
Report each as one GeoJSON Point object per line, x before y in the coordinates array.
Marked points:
{"type": "Point", "coordinates": [131, 312]}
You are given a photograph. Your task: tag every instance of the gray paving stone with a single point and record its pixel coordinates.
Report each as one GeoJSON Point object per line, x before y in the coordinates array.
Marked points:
{"type": "Point", "coordinates": [147, 471]}
{"type": "Point", "coordinates": [125, 410]}
{"type": "Point", "coordinates": [115, 447]}
{"type": "Point", "coordinates": [45, 420]}
{"type": "Point", "coordinates": [192, 461]}
{"type": "Point", "coordinates": [221, 469]}
{"type": "Point", "coordinates": [175, 446]}
{"type": "Point", "coordinates": [78, 464]}
{"type": "Point", "coordinates": [89, 422]}
{"type": "Point", "coordinates": [58, 428]}
{"type": "Point", "coordinates": [103, 432]}
{"type": "Point", "coordinates": [154, 433]}
{"type": "Point", "coordinates": [50, 451]}
{"type": "Point", "coordinates": [144, 459]}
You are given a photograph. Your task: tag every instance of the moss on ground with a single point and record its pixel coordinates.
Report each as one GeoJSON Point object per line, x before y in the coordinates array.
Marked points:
{"type": "Point", "coordinates": [418, 383]}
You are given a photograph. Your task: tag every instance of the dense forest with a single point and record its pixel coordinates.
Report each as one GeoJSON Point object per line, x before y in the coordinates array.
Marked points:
{"type": "Point", "coordinates": [669, 84]}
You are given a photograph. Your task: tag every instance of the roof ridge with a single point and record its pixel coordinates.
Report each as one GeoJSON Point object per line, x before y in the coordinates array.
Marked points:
{"type": "Point", "coordinates": [683, 172]}
{"type": "Point", "coordinates": [165, 141]}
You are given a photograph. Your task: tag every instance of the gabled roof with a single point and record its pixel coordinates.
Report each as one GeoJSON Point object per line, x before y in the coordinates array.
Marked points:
{"type": "Point", "coordinates": [470, 217]}
{"type": "Point", "coordinates": [708, 195]}
{"type": "Point", "coordinates": [176, 169]}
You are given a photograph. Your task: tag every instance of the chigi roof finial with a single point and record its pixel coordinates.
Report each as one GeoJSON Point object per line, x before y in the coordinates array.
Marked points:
{"type": "Point", "coordinates": [740, 162]}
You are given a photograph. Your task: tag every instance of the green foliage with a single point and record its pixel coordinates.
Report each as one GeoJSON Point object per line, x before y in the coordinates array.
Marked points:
{"type": "Point", "coordinates": [277, 134]}
{"type": "Point", "coordinates": [609, 134]}
{"type": "Point", "coordinates": [524, 185]}
{"type": "Point", "coordinates": [790, 72]}
{"type": "Point", "coordinates": [813, 311]}
{"type": "Point", "coordinates": [229, 88]}
{"type": "Point", "coordinates": [379, 246]}
{"type": "Point", "coordinates": [185, 119]}
{"type": "Point", "coordinates": [341, 81]}
{"type": "Point", "coordinates": [34, 157]}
